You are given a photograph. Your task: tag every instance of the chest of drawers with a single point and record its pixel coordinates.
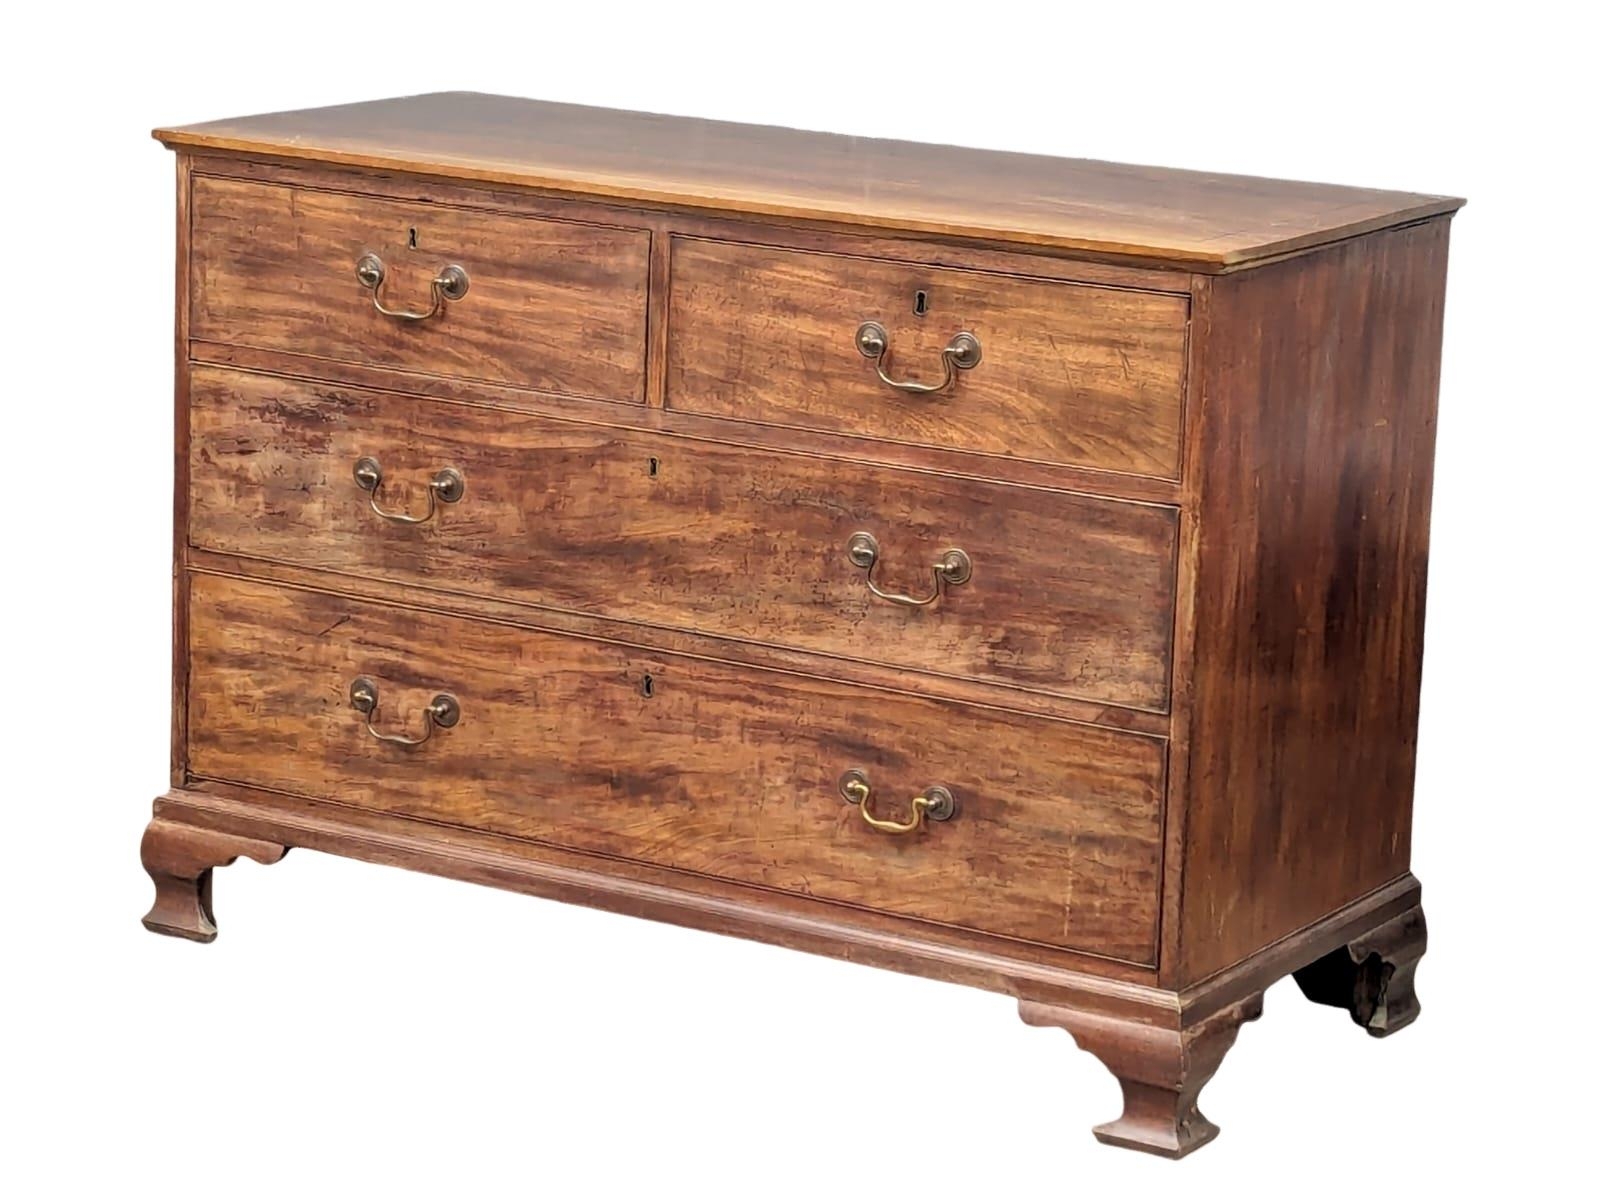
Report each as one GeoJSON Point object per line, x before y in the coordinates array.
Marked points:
{"type": "Point", "coordinates": [1002, 569]}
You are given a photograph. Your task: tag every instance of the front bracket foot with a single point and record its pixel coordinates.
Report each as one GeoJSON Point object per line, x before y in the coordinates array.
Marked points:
{"type": "Point", "coordinates": [180, 859]}
{"type": "Point", "coordinates": [1161, 1069]}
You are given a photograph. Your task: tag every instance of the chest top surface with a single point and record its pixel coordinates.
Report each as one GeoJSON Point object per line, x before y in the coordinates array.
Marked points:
{"type": "Point", "coordinates": [1201, 220]}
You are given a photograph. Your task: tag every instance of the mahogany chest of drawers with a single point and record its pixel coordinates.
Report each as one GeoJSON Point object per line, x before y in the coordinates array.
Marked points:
{"type": "Point", "coordinates": [1003, 569]}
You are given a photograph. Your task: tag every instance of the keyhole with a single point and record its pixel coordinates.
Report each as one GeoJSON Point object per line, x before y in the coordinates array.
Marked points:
{"type": "Point", "coordinates": [647, 686]}
{"type": "Point", "coordinates": [655, 466]}
{"type": "Point", "coordinates": [412, 241]}
{"type": "Point", "coordinates": [919, 302]}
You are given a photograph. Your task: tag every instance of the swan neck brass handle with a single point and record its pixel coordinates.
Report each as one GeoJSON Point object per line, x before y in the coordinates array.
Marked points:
{"type": "Point", "coordinates": [449, 285]}
{"type": "Point", "coordinates": [961, 353]}
{"type": "Point", "coordinates": [447, 485]}
{"type": "Point", "coordinates": [935, 803]}
{"type": "Point", "coordinates": [443, 711]}
{"type": "Point", "coordinates": [954, 567]}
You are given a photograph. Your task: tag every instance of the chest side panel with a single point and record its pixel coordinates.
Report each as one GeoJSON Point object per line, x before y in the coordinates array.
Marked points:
{"type": "Point", "coordinates": [1317, 408]}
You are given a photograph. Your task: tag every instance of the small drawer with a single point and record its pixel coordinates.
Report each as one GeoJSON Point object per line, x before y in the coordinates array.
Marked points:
{"type": "Point", "coordinates": [1052, 834]}
{"type": "Point", "coordinates": [1055, 592]}
{"type": "Point", "coordinates": [1040, 370]}
{"type": "Point", "coordinates": [550, 305]}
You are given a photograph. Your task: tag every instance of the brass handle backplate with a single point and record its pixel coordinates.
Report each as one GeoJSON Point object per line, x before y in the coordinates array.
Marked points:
{"type": "Point", "coordinates": [443, 711]}
{"type": "Point", "coordinates": [961, 353]}
{"type": "Point", "coordinates": [447, 485]}
{"type": "Point", "coordinates": [449, 285]}
{"type": "Point", "coordinates": [954, 567]}
{"type": "Point", "coordinates": [936, 803]}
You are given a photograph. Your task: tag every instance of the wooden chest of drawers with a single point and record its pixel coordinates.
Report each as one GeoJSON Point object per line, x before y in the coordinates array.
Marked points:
{"type": "Point", "coordinates": [1002, 569]}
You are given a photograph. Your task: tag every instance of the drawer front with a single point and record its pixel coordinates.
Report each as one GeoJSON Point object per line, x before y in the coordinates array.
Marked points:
{"type": "Point", "coordinates": [1068, 594]}
{"type": "Point", "coordinates": [549, 305]}
{"type": "Point", "coordinates": [710, 768]}
{"type": "Point", "coordinates": [1068, 374]}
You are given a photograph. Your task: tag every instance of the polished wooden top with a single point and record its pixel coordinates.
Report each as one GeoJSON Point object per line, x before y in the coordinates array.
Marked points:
{"type": "Point", "coordinates": [1202, 220]}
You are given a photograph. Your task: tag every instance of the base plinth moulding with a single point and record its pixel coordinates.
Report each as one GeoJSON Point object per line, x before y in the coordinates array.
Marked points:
{"type": "Point", "coordinates": [1163, 1046]}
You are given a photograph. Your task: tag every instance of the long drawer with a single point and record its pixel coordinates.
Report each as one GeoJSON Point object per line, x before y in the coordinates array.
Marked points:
{"type": "Point", "coordinates": [1066, 594]}
{"type": "Point", "coordinates": [699, 766]}
{"type": "Point", "coordinates": [549, 305]}
{"type": "Point", "coordinates": [974, 361]}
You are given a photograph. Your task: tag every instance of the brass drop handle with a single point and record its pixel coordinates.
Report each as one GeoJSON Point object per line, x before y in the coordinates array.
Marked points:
{"type": "Point", "coordinates": [961, 353]}
{"type": "Point", "coordinates": [449, 285]}
{"type": "Point", "coordinates": [954, 567]}
{"type": "Point", "coordinates": [443, 711]}
{"type": "Point", "coordinates": [936, 802]}
{"type": "Point", "coordinates": [447, 485]}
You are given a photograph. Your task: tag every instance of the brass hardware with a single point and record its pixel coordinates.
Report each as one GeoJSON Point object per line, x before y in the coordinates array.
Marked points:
{"type": "Point", "coordinates": [449, 285]}
{"type": "Point", "coordinates": [953, 568]}
{"type": "Point", "coordinates": [936, 802]}
{"type": "Point", "coordinates": [443, 711]}
{"type": "Point", "coordinates": [447, 485]}
{"type": "Point", "coordinates": [961, 353]}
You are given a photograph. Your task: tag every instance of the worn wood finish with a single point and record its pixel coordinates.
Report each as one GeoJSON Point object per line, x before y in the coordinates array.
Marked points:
{"type": "Point", "coordinates": [1069, 594]}
{"type": "Point", "coordinates": [1176, 702]}
{"type": "Point", "coordinates": [720, 771]}
{"type": "Point", "coordinates": [633, 417]}
{"type": "Point", "coordinates": [1070, 374]}
{"type": "Point", "coordinates": [1209, 220]}
{"type": "Point", "coordinates": [1310, 579]}
{"type": "Point", "coordinates": [916, 683]}
{"type": "Point", "coordinates": [551, 305]}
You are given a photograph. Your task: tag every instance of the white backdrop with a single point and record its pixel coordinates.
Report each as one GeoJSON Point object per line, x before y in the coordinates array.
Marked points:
{"type": "Point", "coordinates": [361, 1033]}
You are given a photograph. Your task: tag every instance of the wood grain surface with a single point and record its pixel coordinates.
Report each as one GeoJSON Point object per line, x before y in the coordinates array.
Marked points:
{"type": "Point", "coordinates": [1317, 413]}
{"type": "Point", "coordinates": [715, 769]}
{"type": "Point", "coordinates": [1069, 595]}
{"type": "Point", "coordinates": [551, 305]}
{"type": "Point", "coordinates": [1070, 374]}
{"type": "Point", "coordinates": [1205, 219]}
